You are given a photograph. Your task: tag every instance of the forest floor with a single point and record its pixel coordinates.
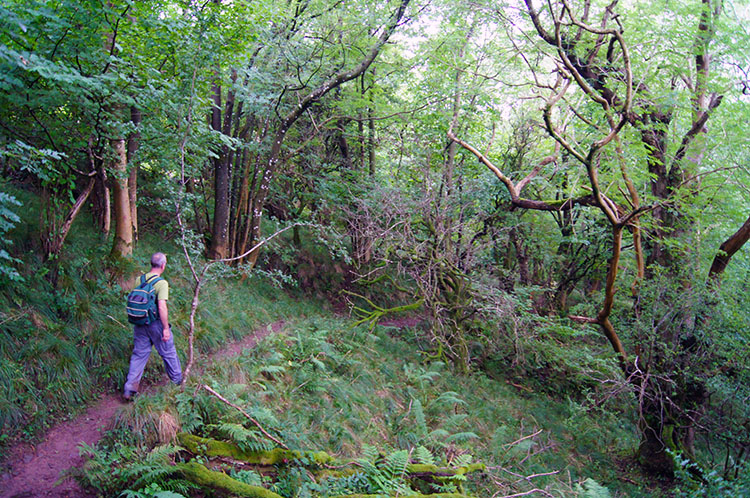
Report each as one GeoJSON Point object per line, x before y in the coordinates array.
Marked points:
{"type": "Point", "coordinates": [35, 469]}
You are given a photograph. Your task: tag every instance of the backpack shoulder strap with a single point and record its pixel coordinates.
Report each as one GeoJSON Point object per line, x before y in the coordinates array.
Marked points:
{"type": "Point", "coordinates": [152, 280]}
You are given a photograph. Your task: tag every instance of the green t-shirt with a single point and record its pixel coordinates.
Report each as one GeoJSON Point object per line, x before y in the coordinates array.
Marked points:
{"type": "Point", "coordinates": [161, 288]}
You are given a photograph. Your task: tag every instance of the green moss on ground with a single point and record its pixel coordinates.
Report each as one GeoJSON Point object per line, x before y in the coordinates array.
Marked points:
{"type": "Point", "coordinates": [209, 479]}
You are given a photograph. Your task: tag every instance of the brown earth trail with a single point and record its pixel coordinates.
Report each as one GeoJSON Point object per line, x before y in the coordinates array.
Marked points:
{"type": "Point", "coordinates": [33, 470]}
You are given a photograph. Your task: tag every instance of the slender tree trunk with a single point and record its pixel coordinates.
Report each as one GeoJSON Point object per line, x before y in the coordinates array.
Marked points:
{"type": "Point", "coordinates": [361, 126]}
{"type": "Point", "coordinates": [133, 144]}
{"type": "Point", "coordinates": [53, 241]}
{"type": "Point", "coordinates": [102, 202]}
{"type": "Point", "coordinates": [123, 243]}
{"type": "Point", "coordinates": [371, 127]}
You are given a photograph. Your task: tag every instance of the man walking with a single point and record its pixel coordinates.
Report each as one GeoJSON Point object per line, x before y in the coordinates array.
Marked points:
{"type": "Point", "coordinates": [157, 333]}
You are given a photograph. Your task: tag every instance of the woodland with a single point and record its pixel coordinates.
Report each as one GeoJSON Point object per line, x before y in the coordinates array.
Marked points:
{"type": "Point", "coordinates": [506, 242]}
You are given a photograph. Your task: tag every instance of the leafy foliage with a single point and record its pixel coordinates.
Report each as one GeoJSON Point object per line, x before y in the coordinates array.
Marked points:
{"type": "Point", "coordinates": [8, 219]}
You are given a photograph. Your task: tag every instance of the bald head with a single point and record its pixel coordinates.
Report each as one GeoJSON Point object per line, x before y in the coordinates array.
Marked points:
{"type": "Point", "coordinates": [158, 260]}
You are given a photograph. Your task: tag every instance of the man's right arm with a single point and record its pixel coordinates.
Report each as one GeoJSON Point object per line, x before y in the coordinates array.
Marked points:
{"type": "Point", "coordinates": [164, 318]}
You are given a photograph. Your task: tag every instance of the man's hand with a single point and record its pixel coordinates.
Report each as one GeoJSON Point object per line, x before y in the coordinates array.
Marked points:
{"type": "Point", "coordinates": [164, 317]}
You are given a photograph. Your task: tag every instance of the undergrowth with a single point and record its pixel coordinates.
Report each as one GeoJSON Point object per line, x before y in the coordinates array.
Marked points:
{"type": "Point", "coordinates": [370, 398]}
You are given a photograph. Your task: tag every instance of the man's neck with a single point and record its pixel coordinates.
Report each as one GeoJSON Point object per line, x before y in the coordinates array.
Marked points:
{"type": "Point", "coordinates": [157, 271]}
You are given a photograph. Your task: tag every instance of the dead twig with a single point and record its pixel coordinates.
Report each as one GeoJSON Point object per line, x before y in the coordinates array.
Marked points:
{"type": "Point", "coordinates": [525, 437]}
{"type": "Point", "coordinates": [257, 424]}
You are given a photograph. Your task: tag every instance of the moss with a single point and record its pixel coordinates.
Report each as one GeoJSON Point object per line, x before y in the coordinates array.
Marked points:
{"type": "Point", "coordinates": [667, 436]}
{"type": "Point", "coordinates": [200, 475]}
{"type": "Point", "coordinates": [213, 448]}
{"type": "Point", "coordinates": [442, 471]}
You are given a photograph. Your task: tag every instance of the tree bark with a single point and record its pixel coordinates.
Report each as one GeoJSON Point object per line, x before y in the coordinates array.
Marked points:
{"type": "Point", "coordinates": [728, 249]}
{"type": "Point", "coordinates": [102, 203]}
{"type": "Point", "coordinates": [133, 144]}
{"type": "Point", "coordinates": [53, 242]}
{"type": "Point", "coordinates": [371, 128]}
{"type": "Point", "coordinates": [123, 243]}
{"type": "Point", "coordinates": [222, 170]}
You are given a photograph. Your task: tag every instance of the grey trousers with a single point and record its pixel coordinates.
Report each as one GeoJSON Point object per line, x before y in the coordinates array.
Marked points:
{"type": "Point", "coordinates": [144, 336]}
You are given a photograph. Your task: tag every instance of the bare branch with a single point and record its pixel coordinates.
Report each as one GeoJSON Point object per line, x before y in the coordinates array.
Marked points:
{"type": "Point", "coordinates": [251, 419]}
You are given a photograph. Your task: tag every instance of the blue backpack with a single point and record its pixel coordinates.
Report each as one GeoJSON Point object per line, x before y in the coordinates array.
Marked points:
{"type": "Point", "coordinates": [141, 304]}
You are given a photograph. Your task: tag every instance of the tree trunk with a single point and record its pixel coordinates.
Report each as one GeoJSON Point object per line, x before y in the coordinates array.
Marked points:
{"type": "Point", "coordinates": [222, 164]}
{"type": "Point", "coordinates": [53, 241]}
{"type": "Point", "coordinates": [123, 243]}
{"type": "Point", "coordinates": [101, 202]}
{"type": "Point", "coordinates": [728, 249]}
{"type": "Point", "coordinates": [371, 128]}
{"type": "Point", "coordinates": [133, 144]}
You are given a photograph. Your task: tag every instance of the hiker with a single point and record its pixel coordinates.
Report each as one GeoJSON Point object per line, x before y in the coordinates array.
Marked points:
{"type": "Point", "coordinates": [156, 331]}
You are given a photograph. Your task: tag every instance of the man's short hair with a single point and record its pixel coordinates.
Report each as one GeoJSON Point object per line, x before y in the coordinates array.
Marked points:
{"type": "Point", "coordinates": [158, 259]}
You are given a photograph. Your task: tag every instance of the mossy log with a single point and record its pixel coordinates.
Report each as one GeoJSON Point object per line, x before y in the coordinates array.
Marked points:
{"type": "Point", "coordinates": [420, 470]}
{"type": "Point", "coordinates": [213, 448]}
{"type": "Point", "coordinates": [202, 476]}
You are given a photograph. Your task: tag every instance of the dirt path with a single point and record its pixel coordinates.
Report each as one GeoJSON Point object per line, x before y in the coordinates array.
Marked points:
{"type": "Point", "coordinates": [33, 470]}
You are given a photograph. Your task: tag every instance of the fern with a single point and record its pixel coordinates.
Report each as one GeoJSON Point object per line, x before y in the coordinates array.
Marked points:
{"type": "Point", "coordinates": [357, 483]}
{"type": "Point", "coordinates": [592, 489]}
{"type": "Point", "coordinates": [155, 468]}
{"type": "Point", "coordinates": [394, 465]}
{"type": "Point", "coordinates": [246, 439]}
{"type": "Point", "coordinates": [272, 369]}
{"type": "Point", "coordinates": [423, 456]}
{"type": "Point", "coordinates": [438, 435]}
{"type": "Point", "coordinates": [151, 491]}
{"type": "Point", "coordinates": [190, 417]}
{"type": "Point", "coordinates": [248, 477]}
{"type": "Point", "coordinates": [463, 460]}
{"type": "Point", "coordinates": [446, 399]}
{"type": "Point", "coordinates": [369, 453]}
{"type": "Point", "coordinates": [461, 437]}
{"type": "Point", "coordinates": [421, 428]}
{"type": "Point", "coordinates": [387, 477]}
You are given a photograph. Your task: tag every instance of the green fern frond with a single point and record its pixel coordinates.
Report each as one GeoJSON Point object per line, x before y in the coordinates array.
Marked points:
{"type": "Point", "coordinates": [369, 453]}
{"type": "Point", "coordinates": [180, 486]}
{"type": "Point", "coordinates": [247, 476]}
{"type": "Point", "coordinates": [421, 428]}
{"type": "Point", "coordinates": [448, 398]}
{"type": "Point", "coordinates": [272, 369]}
{"type": "Point", "coordinates": [394, 465]}
{"type": "Point", "coordinates": [155, 467]}
{"type": "Point", "coordinates": [423, 456]}
{"type": "Point", "coordinates": [589, 488]}
{"type": "Point", "coordinates": [461, 437]}
{"type": "Point", "coordinates": [438, 435]}
{"type": "Point", "coordinates": [463, 460]}
{"type": "Point", "coordinates": [246, 439]}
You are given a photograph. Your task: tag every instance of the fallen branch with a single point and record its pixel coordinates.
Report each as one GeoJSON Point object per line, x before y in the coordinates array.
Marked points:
{"type": "Point", "coordinates": [257, 424]}
{"type": "Point", "coordinates": [524, 438]}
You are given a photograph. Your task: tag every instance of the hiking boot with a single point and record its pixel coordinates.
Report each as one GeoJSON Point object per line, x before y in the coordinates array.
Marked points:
{"type": "Point", "coordinates": [129, 395]}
